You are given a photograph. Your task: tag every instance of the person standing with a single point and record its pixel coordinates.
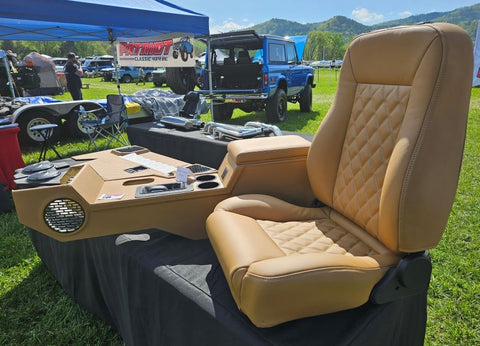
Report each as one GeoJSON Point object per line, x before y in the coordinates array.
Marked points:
{"type": "Point", "coordinates": [73, 74]}
{"type": "Point", "coordinates": [141, 76]}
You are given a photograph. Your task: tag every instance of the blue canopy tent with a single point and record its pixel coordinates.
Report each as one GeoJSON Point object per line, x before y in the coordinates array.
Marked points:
{"type": "Point", "coordinates": [95, 20]}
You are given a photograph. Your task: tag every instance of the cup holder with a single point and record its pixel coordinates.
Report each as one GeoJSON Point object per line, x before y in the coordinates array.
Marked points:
{"type": "Point", "coordinates": [208, 185]}
{"type": "Point", "coordinates": [206, 177]}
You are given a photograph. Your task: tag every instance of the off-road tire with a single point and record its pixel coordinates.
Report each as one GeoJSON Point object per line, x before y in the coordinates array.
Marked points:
{"type": "Point", "coordinates": [306, 99]}
{"type": "Point", "coordinates": [181, 79]}
{"type": "Point", "coordinates": [276, 108]}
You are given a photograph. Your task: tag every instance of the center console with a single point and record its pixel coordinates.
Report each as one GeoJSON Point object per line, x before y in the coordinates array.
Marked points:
{"type": "Point", "coordinates": [129, 189]}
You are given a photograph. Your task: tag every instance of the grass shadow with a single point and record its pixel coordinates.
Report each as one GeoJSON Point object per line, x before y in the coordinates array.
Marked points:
{"type": "Point", "coordinates": [38, 312]}
{"type": "Point", "coordinates": [15, 245]}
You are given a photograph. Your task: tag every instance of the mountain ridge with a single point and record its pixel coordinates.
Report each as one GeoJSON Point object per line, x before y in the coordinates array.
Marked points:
{"type": "Point", "coordinates": [465, 17]}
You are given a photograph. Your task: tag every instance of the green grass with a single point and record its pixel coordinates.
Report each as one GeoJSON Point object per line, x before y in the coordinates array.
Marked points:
{"type": "Point", "coordinates": [34, 310]}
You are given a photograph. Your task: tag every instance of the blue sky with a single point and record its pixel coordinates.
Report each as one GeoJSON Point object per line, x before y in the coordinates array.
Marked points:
{"type": "Point", "coordinates": [234, 15]}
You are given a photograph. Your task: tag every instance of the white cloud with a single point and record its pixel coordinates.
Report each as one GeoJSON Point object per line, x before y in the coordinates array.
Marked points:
{"type": "Point", "coordinates": [365, 16]}
{"type": "Point", "coordinates": [229, 25]}
{"type": "Point", "coordinates": [405, 14]}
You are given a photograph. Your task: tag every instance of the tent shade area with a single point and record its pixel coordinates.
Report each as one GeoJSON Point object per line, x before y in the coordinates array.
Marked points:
{"type": "Point", "coordinates": [89, 20]}
{"type": "Point", "coordinates": [95, 20]}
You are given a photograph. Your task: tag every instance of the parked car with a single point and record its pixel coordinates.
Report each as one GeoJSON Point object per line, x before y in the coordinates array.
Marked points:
{"type": "Point", "coordinates": [261, 72]}
{"type": "Point", "coordinates": [97, 65]}
{"type": "Point", "coordinates": [321, 63]}
{"type": "Point", "coordinates": [327, 63]}
{"type": "Point", "coordinates": [59, 64]}
{"type": "Point", "coordinates": [159, 77]}
{"type": "Point", "coordinates": [126, 74]}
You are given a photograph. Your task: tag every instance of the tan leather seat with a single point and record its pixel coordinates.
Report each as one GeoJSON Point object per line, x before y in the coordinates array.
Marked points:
{"type": "Point", "coordinates": [384, 162]}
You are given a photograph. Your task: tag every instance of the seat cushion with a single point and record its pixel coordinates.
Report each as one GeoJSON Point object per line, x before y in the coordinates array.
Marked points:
{"type": "Point", "coordinates": [279, 270]}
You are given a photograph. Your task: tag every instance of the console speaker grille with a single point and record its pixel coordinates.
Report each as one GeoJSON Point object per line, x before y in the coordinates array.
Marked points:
{"type": "Point", "coordinates": [64, 215]}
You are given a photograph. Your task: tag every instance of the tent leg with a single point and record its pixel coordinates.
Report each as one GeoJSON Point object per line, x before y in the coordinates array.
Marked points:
{"type": "Point", "coordinates": [9, 76]}
{"type": "Point", "coordinates": [209, 67]}
{"type": "Point", "coordinates": [116, 65]}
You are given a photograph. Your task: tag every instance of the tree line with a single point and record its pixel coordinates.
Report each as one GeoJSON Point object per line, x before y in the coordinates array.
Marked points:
{"type": "Point", "coordinates": [324, 45]}
{"type": "Point", "coordinates": [321, 45]}
{"type": "Point", "coordinates": [58, 48]}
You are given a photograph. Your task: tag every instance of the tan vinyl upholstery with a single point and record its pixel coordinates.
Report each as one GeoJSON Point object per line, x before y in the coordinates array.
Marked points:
{"type": "Point", "coordinates": [385, 162]}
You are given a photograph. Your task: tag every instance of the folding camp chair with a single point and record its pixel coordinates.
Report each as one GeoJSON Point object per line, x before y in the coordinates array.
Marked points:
{"type": "Point", "coordinates": [109, 124]}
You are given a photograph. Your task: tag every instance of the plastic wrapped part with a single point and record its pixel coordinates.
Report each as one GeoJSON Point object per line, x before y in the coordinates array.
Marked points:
{"type": "Point", "coordinates": [159, 102]}
{"type": "Point", "coordinates": [162, 103]}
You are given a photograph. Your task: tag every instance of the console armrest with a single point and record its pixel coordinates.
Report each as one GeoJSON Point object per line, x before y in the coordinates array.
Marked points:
{"type": "Point", "coordinates": [268, 149]}
{"type": "Point", "coordinates": [268, 165]}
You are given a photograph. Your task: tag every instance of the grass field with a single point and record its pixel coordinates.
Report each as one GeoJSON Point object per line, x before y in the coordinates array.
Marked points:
{"type": "Point", "coordinates": [34, 310]}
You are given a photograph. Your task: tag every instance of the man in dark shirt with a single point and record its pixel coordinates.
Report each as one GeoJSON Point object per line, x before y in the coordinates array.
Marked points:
{"type": "Point", "coordinates": [73, 72]}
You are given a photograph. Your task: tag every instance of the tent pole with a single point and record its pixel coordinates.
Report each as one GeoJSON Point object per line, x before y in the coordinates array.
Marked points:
{"type": "Point", "coordinates": [209, 67]}
{"type": "Point", "coordinates": [115, 59]}
{"type": "Point", "coordinates": [9, 76]}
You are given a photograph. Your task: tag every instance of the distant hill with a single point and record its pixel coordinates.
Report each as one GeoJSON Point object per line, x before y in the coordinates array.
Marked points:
{"type": "Point", "coordinates": [282, 27]}
{"type": "Point", "coordinates": [340, 24]}
{"type": "Point", "coordinates": [465, 17]}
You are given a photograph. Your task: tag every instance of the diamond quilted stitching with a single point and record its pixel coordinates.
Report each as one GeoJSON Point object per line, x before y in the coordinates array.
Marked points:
{"type": "Point", "coordinates": [317, 236]}
{"type": "Point", "coordinates": [371, 136]}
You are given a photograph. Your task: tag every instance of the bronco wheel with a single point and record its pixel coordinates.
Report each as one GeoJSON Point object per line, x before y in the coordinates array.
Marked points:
{"type": "Point", "coordinates": [276, 108]}
{"type": "Point", "coordinates": [222, 111]}
{"type": "Point", "coordinates": [306, 99]}
{"type": "Point", "coordinates": [29, 119]}
{"type": "Point", "coordinates": [181, 79]}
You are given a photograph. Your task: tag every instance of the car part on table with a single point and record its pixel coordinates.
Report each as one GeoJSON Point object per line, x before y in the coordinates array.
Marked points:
{"type": "Point", "coordinates": [250, 129]}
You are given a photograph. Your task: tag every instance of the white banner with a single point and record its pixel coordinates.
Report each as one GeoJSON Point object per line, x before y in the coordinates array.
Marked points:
{"type": "Point", "coordinates": [476, 59]}
{"type": "Point", "coordinates": [172, 50]}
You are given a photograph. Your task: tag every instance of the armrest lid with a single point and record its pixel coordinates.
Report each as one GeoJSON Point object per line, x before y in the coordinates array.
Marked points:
{"type": "Point", "coordinates": [268, 148]}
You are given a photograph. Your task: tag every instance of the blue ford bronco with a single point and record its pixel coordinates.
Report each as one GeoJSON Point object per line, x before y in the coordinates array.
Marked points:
{"type": "Point", "coordinates": [257, 72]}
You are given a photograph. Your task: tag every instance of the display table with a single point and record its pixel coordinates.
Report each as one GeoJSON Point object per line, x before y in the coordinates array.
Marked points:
{"type": "Point", "coordinates": [166, 290]}
{"type": "Point", "coordinates": [157, 288]}
{"type": "Point", "coordinates": [189, 146]}
{"type": "Point", "coordinates": [10, 154]}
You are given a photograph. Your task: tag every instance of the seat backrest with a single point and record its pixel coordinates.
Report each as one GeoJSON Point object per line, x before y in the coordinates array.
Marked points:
{"type": "Point", "coordinates": [387, 155]}
{"type": "Point", "coordinates": [115, 108]}
{"type": "Point", "coordinates": [243, 57]}
{"type": "Point", "coordinates": [191, 107]}
{"type": "Point", "coordinates": [229, 60]}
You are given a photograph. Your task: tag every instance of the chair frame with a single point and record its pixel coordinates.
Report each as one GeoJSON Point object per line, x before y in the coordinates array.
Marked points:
{"type": "Point", "coordinates": [109, 123]}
